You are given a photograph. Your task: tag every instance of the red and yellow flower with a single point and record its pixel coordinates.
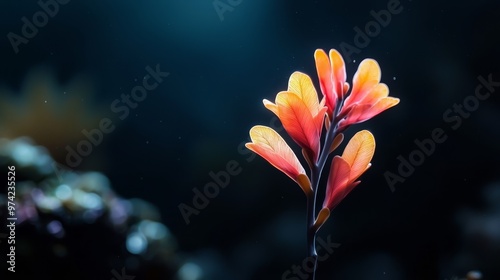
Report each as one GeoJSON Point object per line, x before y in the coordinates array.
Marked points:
{"type": "Point", "coordinates": [303, 117]}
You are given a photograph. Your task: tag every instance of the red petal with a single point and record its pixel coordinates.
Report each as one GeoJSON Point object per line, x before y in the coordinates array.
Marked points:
{"type": "Point", "coordinates": [323, 67]}
{"type": "Point", "coordinates": [337, 182]}
{"type": "Point", "coordinates": [354, 114]}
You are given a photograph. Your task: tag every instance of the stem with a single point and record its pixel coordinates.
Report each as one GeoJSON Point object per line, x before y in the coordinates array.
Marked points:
{"type": "Point", "coordinates": [316, 170]}
{"type": "Point", "coordinates": [311, 218]}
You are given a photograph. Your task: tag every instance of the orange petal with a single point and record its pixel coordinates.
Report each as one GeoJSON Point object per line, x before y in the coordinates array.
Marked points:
{"type": "Point", "coordinates": [337, 181]}
{"type": "Point", "coordinates": [359, 152]}
{"type": "Point", "coordinates": [270, 106]}
{"type": "Point", "coordinates": [366, 77]}
{"type": "Point", "coordinates": [301, 84]}
{"type": "Point", "coordinates": [304, 183]}
{"type": "Point", "coordinates": [267, 143]}
{"type": "Point", "coordinates": [338, 69]}
{"type": "Point", "coordinates": [323, 215]}
{"type": "Point", "coordinates": [380, 106]}
{"type": "Point", "coordinates": [346, 87]}
{"type": "Point", "coordinates": [323, 67]}
{"type": "Point", "coordinates": [297, 121]}
{"type": "Point", "coordinates": [336, 142]}
{"type": "Point", "coordinates": [378, 92]}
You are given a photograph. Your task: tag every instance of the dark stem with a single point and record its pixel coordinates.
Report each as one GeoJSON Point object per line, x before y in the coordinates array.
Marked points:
{"type": "Point", "coordinates": [316, 170]}
{"type": "Point", "coordinates": [311, 218]}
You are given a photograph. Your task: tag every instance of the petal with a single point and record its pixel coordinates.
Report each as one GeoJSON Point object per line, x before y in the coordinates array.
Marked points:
{"type": "Point", "coordinates": [304, 183]}
{"type": "Point", "coordinates": [320, 118]}
{"type": "Point", "coordinates": [377, 92]}
{"type": "Point", "coordinates": [337, 181]}
{"type": "Point", "coordinates": [336, 142]}
{"type": "Point", "coordinates": [297, 121]}
{"type": "Point", "coordinates": [338, 69]}
{"type": "Point", "coordinates": [308, 156]}
{"type": "Point", "coordinates": [355, 113]}
{"type": "Point", "coordinates": [366, 77]}
{"type": "Point", "coordinates": [359, 152]}
{"type": "Point", "coordinates": [272, 147]}
{"type": "Point", "coordinates": [341, 193]}
{"type": "Point", "coordinates": [323, 215]}
{"type": "Point", "coordinates": [323, 67]}
{"type": "Point", "coordinates": [270, 106]}
{"type": "Point", "coordinates": [301, 84]}
{"type": "Point", "coordinates": [365, 112]}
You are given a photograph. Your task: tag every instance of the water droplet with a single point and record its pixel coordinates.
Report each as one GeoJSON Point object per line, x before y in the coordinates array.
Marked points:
{"type": "Point", "coordinates": [45, 101]}
{"type": "Point", "coordinates": [394, 78]}
{"type": "Point", "coordinates": [354, 60]}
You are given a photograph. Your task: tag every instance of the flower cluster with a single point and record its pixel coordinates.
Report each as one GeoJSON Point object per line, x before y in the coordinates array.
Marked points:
{"type": "Point", "coordinates": [308, 120]}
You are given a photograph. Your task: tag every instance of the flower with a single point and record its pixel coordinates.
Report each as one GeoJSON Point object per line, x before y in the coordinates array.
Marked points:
{"type": "Point", "coordinates": [332, 77]}
{"type": "Point", "coordinates": [301, 113]}
{"type": "Point", "coordinates": [303, 116]}
{"type": "Point", "coordinates": [267, 143]}
{"type": "Point", "coordinates": [346, 169]}
{"type": "Point", "coordinates": [367, 98]}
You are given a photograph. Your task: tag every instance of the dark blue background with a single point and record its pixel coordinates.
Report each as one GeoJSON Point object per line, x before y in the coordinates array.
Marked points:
{"type": "Point", "coordinates": [430, 55]}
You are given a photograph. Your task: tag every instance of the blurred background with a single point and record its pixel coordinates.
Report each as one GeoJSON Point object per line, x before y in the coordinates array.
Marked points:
{"type": "Point", "coordinates": [103, 175]}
